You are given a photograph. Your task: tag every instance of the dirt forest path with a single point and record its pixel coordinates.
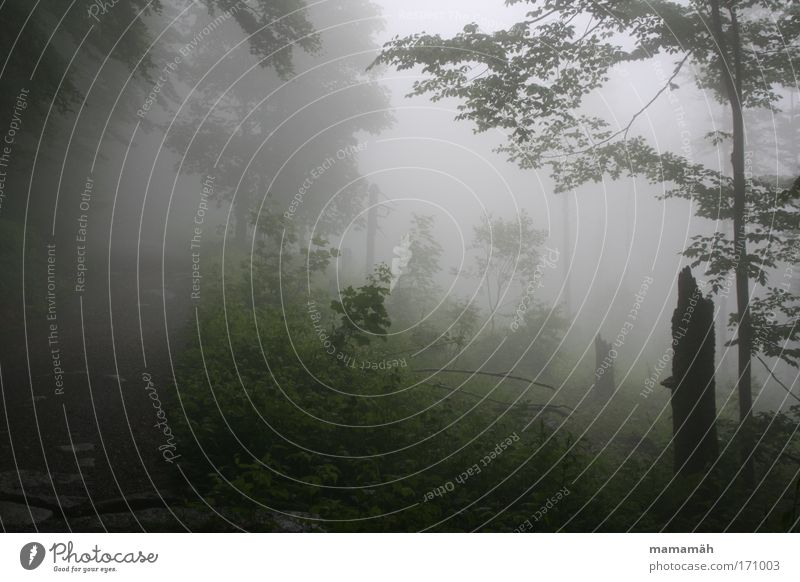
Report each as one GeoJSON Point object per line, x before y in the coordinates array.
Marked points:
{"type": "Point", "coordinates": [94, 443]}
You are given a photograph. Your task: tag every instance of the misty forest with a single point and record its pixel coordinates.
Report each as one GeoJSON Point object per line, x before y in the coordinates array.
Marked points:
{"type": "Point", "coordinates": [383, 266]}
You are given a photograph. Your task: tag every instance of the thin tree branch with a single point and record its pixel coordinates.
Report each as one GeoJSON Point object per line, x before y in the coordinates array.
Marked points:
{"type": "Point", "coordinates": [774, 377]}
{"type": "Point", "coordinates": [589, 31]}
{"type": "Point", "coordinates": [546, 407]}
{"type": "Point", "coordinates": [435, 345]}
{"type": "Point", "coordinates": [540, 17]}
{"type": "Point", "coordinates": [624, 131]}
{"type": "Point", "coordinates": [494, 374]}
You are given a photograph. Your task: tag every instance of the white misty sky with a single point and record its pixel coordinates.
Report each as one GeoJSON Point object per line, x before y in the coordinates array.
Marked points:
{"type": "Point", "coordinates": [618, 231]}
{"type": "Point", "coordinates": [446, 16]}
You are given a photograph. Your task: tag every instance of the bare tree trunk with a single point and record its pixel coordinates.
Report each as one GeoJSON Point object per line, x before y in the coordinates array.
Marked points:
{"type": "Point", "coordinates": [491, 304]}
{"type": "Point", "coordinates": [372, 228]}
{"type": "Point", "coordinates": [692, 383]}
{"type": "Point", "coordinates": [240, 212]}
{"type": "Point", "coordinates": [566, 210]}
{"type": "Point", "coordinates": [604, 384]}
{"type": "Point", "coordinates": [732, 79]}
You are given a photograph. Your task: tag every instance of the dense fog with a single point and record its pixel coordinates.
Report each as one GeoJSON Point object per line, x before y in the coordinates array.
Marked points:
{"type": "Point", "coordinates": [293, 258]}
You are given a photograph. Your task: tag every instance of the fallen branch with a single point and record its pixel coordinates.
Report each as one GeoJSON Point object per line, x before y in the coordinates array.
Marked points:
{"type": "Point", "coordinates": [495, 374]}
{"type": "Point", "coordinates": [546, 407]}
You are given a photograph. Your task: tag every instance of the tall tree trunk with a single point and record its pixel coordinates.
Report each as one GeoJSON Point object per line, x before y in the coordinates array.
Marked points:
{"type": "Point", "coordinates": [240, 212]}
{"type": "Point", "coordinates": [372, 228]}
{"type": "Point", "coordinates": [491, 304]}
{"type": "Point", "coordinates": [567, 249]}
{"type": "Point", "coordinates": [604, 383]}
{"type": "Point", "coordinates": [731, 75]}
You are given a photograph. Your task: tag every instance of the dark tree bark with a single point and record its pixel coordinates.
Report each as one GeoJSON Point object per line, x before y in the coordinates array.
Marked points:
{"type": "Point", "coordinates": [730, 48]}
{"type": "Point", "coordinates": [693, 398]}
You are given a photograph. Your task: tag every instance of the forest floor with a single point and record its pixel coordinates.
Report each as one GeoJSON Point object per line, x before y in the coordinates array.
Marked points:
{"type": "Point", "coordinates": [95, 446]}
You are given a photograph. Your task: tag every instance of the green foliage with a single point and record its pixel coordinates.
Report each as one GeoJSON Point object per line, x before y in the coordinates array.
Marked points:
{"type": "Point", "coordinates": [533, 79]}
{"type": "Point", "coordinates": [254, 116]}
{"type": "Point", "coordinates": [279, 421]}
{"type": "Point", "coordinates": [362, 311]}
{"type": "Point", "coordinates": [506, 252]}
{"type": "Point", "coordinates": [284, 423]}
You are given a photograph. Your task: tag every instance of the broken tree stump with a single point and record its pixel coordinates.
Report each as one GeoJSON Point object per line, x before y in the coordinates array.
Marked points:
{"type": "Point", "coordinates": [692, 384]}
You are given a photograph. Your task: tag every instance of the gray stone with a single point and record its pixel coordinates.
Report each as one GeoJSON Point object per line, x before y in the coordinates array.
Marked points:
{"type": "Point", "coordinates": [86, 462]}
{"type": "Point", "coordinates": [39, 483]}
{"type": "Point", "coordinates": [16, 516]}
{"type": "Point", "coordinates": [76, 448]}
